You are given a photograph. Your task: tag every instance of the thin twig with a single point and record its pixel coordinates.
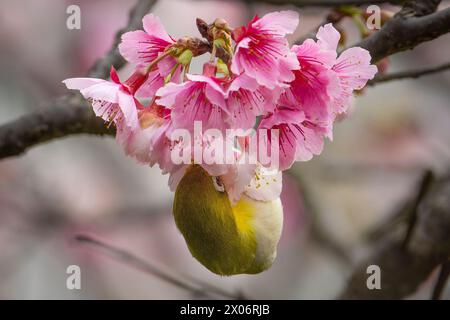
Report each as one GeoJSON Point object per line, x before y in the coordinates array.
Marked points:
{"type": "Point", "coordinates": [196, 286]}
{"type": "Point", "coordinates": [424, 187]}
{"type": "Point", "coordinates": [406, 213]}
{"type": "Point", "coordinates": [409, 74]}
{"type": "Point", "coordinates": [320, 236]}
{"type": "Point", "coordinates": [444, 273]}
{"type": "Point", "coordinates": [407, 29]}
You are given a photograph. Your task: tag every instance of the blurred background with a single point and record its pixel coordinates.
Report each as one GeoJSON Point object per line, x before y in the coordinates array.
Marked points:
{"type": "Point", "coordinates": [85, 184]}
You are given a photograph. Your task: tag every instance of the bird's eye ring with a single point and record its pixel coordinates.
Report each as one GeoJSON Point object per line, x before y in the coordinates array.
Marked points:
{"type": "Point", "coordinates": [218, 184]}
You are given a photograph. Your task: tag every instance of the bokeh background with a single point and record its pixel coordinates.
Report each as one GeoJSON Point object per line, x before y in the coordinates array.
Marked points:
{"type": "Point", "coordinates": [85, 184]}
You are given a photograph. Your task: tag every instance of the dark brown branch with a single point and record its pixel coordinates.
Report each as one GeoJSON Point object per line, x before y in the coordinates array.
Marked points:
{"type": "Point", "coordinates": [406, 30]}
{"type": "Point", "coordinates": [63, 117]}
{"type": "Point", "coordinates": [409, 74]}
{"type": "Point", "coordinates": [404, 269]}
{"type": "Point", "coordinates": [424, 187]}
{"type": "Point", "coordinates": [444, 273]}
{"type": "Point", "coordinates": [193, 285]}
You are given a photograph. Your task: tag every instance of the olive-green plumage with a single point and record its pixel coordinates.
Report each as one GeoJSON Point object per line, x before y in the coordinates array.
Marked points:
{"type": "Point", "coordinates": [227, 240]}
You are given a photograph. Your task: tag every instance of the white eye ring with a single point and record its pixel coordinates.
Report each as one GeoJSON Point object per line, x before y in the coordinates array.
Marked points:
{"type": "Point", "coordinates": [218, 184]}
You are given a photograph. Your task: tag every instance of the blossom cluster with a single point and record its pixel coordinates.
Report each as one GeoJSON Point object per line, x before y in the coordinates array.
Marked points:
{"type": "Point", "coordinates": [253, 80]}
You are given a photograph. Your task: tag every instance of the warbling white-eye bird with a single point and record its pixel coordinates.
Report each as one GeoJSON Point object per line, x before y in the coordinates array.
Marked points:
{"type": "Point", "coordinates": [228, 239]}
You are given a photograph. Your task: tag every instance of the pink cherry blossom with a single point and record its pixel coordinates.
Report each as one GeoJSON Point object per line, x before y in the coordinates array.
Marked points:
{"type": "Point", "coordinates": [149, 88]}
{"type": "Point", "coordinates": [135, 142]}
{"type": "Point", "coordinates": [262, 51]}
{"type": "Point", "coordinates": [265, 185]}
{"type": "Point", "coordinates": [111, 100]}
{"type": "Point", "coordinates": [321, 89]}
{"type": "Point", "coordinates": [299, 138]}
{"type": "Point", "coordinates": [354, 70]}
{"type": "Point", "coordinates": [148, 142]}
{"type": "Point", "coordinates": [143, 48]}
{"type": "Point", "coordinates": [237, 179]}
{"type": "Point", "coordinates": [352, 67]}
{"type": "Point", "coordinates": [252, 180]}
{"type": "Point", "coordinates": [246, 100]}
{"type": "Point", "coordinates": [298, 93]}
{"type": "Point", "coordinates": [314, 85]}
{"type": "Point", "coordinates": [200, 98]}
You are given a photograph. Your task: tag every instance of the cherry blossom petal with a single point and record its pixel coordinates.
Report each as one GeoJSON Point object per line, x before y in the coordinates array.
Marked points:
{"type": "Point", "coordinates": [104, 90]}
{"type": "Point", "coordinates": [176, 176]}
{"type": "Point", "coordinates": [246, 100]}
{"type": "Point", "coordinates": [281, 22]}
{"type": "Point", "coordinates": [262, 51]}
{"type": "Point", "coordinates": [153, 83]}
{"type": "Point", "coordinates": [299, 139]}
{"type": "Point", "coordinates": [128, 107]}
{"type": "Point", "coordinates": [266, 185]}
{"type": "Point", "coordinates": [142, 47]}
{"type": "Point", "coordinates": [354, 68]}
{"type": "Point", "coordinates": [135, 141]}
{"type": "Point", "coordinates": [153, 26]}
{"type": "Point", "coordinates": [81, 83]}
{"type": "Point", "coordinates": [167, 95]}
{"type": "Point", "coordinates": [237, 180]}
{"type": "Point", "coordinates": [198, 99]}
{"type": "Point", "coordinates": [328, 37]}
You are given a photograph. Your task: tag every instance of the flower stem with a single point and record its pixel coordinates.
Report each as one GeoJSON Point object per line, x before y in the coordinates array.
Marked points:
{"type": "Point", "coordinates": [154, 62]}
{"type": "Point", "coordinates": [213, 53]}
{"type": "Point", "coordinates": [172, 72]}
{"type": "Point", "coordinates": [186, 71]}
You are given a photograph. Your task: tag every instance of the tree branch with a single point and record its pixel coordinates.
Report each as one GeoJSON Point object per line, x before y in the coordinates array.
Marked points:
{"type": "Point", "coordinates": [441, 281]}
{"type": "Point", "coordinates": [409, 74]}
{"type": "Point", "coordinates": [407, 29]}
{"type": "Point", "coordinates": [403, 269]}
{"type": "Point", "coordinates": [65, 116]}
